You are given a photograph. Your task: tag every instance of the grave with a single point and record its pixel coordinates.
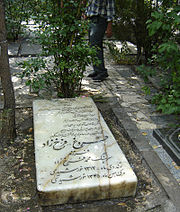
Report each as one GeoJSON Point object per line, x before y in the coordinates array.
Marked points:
{"type": "Point", "coordinates": [170, 140]}
{"type": "Point", "coordinates": [77, 158]}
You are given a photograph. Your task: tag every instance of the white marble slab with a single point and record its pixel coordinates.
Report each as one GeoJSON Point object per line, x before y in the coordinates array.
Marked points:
{"type": "Point", "coordinates": [77, 157]}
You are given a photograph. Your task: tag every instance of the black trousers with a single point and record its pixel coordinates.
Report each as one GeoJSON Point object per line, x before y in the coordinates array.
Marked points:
{"type": "Point", "coordinates": [97, 29]}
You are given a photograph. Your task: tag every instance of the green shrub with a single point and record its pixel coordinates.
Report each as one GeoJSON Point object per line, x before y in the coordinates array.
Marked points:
{"type": "Point", "coordinates": [122, 56]}
{"type": "Point", "coordinates": [130, 25]}
{"type": "Point", "coordinates": [165, 25]}
{"type": "Point", "coordinates": [61, 34]}
{"type": "Point", "coordinates": [18, 11]}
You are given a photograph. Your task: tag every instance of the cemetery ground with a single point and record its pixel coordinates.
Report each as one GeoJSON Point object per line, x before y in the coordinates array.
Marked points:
{"type": "Point", "coordinates": [18, 180]}
{"type": "Point", "coordinates": [130, 117]}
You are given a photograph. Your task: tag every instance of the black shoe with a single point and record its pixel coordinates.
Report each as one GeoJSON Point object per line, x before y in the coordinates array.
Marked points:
{"type": "Point", "coordinates": [92, 74]}
{"type": "Point", "coordinates": [100, 77]}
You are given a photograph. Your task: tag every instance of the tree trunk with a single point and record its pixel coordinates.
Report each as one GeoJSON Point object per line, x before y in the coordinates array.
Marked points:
{"type": "Point", "coordinates": [139, 28]}
{"type": "Point", "coordinates": [8, 116]}
{"type": "Point", "coordinates": [144, 42]}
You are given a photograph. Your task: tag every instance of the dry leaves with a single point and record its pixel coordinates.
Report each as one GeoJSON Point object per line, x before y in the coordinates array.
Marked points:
{"type": "Point", "coordinates": [144, 133]}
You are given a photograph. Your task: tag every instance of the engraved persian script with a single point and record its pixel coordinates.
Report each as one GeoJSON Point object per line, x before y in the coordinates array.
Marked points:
{"type": "Point", "coordinates": [80, 147]}
{"type": "Point", "coordinates": [77, 158]}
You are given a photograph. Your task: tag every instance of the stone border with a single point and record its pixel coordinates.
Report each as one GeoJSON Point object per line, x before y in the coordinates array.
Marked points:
{"type": "Point", "coordinates": [161, 172]}
{"type": "Point", "coordinates": [170, 146]}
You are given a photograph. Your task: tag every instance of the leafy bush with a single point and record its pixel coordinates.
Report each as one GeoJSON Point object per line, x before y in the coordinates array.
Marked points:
{"type": "Point", "coordinates": [130, 24]}
{"type": "Point", "coordinates": [121, 56]}
{"type": "Point", "coordinates": [61, 34]}
{"type": "Point", "coordinates": [18, 11]}
{"type": "Point", "coordinates": [165, 25]}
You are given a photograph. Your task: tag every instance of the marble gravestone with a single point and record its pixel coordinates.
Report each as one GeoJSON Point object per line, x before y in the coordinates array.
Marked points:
{"type": "Point", "coordinates": [77, 157]}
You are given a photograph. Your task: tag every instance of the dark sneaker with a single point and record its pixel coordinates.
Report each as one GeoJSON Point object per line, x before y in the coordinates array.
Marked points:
{"type": "Point", "coordinates": [92, 74]}
{"type": "Point", "coordinates": [100, 77]}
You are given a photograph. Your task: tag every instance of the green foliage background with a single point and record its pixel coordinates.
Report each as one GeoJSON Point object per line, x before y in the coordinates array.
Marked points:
{"type": "Point", "coordinates": [153, 26]}
{"type": "Point", "coordinates": [17, 12]}
{"type": "Point", "coordinates": [165, 26]}
{"type": "Point", "coordinates": [61, 34]}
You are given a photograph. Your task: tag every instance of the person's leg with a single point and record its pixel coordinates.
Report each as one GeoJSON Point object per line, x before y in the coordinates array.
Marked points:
{"type": "Point", "coordinates": [97, 30]}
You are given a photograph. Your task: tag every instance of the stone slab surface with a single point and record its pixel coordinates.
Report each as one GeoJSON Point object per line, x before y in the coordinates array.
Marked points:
{"type": "Point", "coordinates": [30, 49]}
{"type": "Point", "coordinates": [77, 157]}
{"type": "Point", "coordinates": [161, 172]}
{"type": "Point", "coordinates": [13, 49]}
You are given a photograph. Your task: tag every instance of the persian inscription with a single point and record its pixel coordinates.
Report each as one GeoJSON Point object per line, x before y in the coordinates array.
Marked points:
{"type": "Point", "coordinates": [74, 146]}
{"type": "Point", "coordinates": [58, 143]}
{"type": "Point", "coordinates": [86, 172]}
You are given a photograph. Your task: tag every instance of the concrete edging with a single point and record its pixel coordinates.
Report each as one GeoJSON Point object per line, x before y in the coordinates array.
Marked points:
{"type": "Point", "coordinates": [161, 172]}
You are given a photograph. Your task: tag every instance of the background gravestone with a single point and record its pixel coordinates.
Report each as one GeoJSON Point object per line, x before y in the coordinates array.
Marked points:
{"type": "Point", "coordinates": [170, 140]}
